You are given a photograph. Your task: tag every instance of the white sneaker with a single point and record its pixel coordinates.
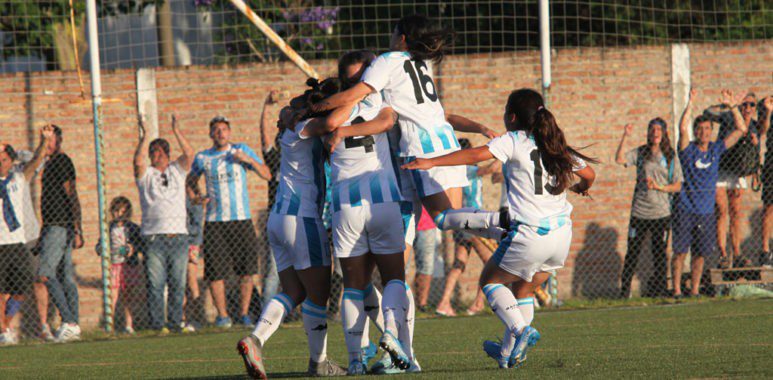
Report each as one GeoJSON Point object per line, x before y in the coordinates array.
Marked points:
{"type": "Point", "coordinates": [68, 332]}
{"type": "Point", "coordinates": [9, 337]}
{"type": "Point", "coordinates": [186, 327]}
{"type": "Point", "coordinates": [45, 333]}
{"type": "Point", "coordinates": [128, 330]}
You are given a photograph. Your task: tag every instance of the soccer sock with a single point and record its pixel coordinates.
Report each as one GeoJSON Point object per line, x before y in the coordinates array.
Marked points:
{"type": "Point", "coordinates": [392, 305]}
{"type": "Point", "coordinates": [272, 316]}
{"type": "Point", "coordinates": [504, 305]}
{"type": "Point", "coordinates": [466, 218]}
{"type": "Point", "coordinates": [355, 321]}
{"type": "Point", "coordinates": [405, 333]}
{"type": "Point", "coordinates": [373, 307]}
{"type": "Point", "coordinates": [526, 306]}
{"type": "Point", "coordinates": [469, 219]}
{"type": "Point", "coordinates": [315, 324]}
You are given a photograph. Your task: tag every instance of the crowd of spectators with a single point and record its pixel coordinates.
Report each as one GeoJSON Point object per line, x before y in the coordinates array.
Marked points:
{"type": "Point", "coordinates": [693, 190]}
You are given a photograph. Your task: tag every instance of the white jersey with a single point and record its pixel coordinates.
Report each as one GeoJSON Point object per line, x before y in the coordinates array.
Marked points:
{"type": "Point", "coordinates": [529, 200]}
{"type": "Point", "coordinates": [301, 189]}
{"type": "Point", "coordinates": [18, 222]}
{"type": "Point", "coordinates": [362, 168]}
{"type": "Point", "coordinates": [408, 88]}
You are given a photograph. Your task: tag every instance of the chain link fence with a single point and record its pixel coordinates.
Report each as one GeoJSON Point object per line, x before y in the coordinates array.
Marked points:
{"type": "Point", "coordinates": [662, 191]}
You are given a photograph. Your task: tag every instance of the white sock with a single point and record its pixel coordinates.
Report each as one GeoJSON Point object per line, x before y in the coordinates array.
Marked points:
{"type": "Point", "coordinates": [272, 316]}
{"type": "Point", "coordinates": [469, 219]}
{"type": "Point", "coordinates": [508, 342]}
{"type": "Point", "coordinates": [355, 322]}
{"type": "Point", "coordinates": [392, 305]}
{"type": "Point", "coordinates": [315, 324]}
{"type": "Point", "coordinates": [504, 305]}
{"type": "Point", "coordinates": [373, 307]}
{"type": "Point", "coordinates": [405, 333]}
{"type": "Point", "coordinates": [526, 306]}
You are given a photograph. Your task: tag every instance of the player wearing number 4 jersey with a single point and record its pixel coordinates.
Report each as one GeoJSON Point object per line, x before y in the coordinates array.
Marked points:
{"type": "Point", "coordinates": [299, 244]}
{"type": "Point", "coordinates": [403, 76]}
{"type": "Point", "coordinates": [366, 204]}
{"type": "Point", "coordinates": [539, 166]}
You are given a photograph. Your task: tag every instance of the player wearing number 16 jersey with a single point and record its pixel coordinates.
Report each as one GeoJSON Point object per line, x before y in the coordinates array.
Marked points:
{"type": "Point", "coordinates": [539, 166]}
{"type": "Point", "coordinates": [403, 76]}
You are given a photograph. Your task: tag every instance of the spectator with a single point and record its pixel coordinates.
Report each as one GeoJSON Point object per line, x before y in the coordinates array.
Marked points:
{"type": "Point", "coordinates": [766, 115]}
{"type": "Point", "coordinates": [230, 242]}
{"type": "Point", "coordinates": [465, 243]}
{"type": "Point", "coordinates": [164, 223]}
{"type": "Point", "coordinates": [272, 154]}
{"type": "Point", "coordinates": [658, 175]}
{"type": "Point", "coordinates": [694, 222]}
{"type": "Point", "coordinates": [18, 225]}
{"type": "Point", "coordinates": [194, 204]}
{"type": "Point", "coordinates": [61, 232]}
{"type": "Point", "coordinates": [733, 168]}
{"type": "Point", "coordinates": [125, 247]}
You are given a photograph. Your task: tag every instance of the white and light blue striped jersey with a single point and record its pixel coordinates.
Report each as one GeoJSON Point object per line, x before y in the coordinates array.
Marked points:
{"type": "Point", "coordinates": [362, 168]}
{"type": "Point", "coordinates": [529, 200]}
{"type": "Point", "coordinates": [226, 181]}
{"type": "Point", "coordinates": [407, 86]}
{"type": "Point", "coordinates": [473, 193]}
{"type": "Point", "coordinates": [301, 189]}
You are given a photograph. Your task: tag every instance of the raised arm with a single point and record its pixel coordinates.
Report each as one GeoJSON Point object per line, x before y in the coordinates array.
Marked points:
{"type": "Point", "coordinates": [323, 125]}
{"type": "Point", "coordinates": [619, 154]}
{"type": "Point", "coordinates": [265, 142]}
{"type": "Point", "coordinates": [684, 123]}
{"type": "Point", "coordinates": [383, 122]}
{"type": "Point", "coordinates": [139, 155]}
{"type": "Point", "coordinates": [460, 157]}
{"type": "Point", "coordinates": [463, 124]}
{"type": "Point", "coordinates": [186, 158]}
{"type": "Point", "coordinates": [353, 95]}
{"type": "Point", "coordinates": [46, 134]}
{"type": "Point", "coordinates": [740, 126]}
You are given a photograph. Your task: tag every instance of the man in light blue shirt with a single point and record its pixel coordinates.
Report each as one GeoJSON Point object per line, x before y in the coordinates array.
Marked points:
{"type": "Point", "coordinates": [230, 243]}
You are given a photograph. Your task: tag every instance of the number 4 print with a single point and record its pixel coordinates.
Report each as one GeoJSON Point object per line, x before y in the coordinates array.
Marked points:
{"type": "Point", "coordinates": [420, 80]}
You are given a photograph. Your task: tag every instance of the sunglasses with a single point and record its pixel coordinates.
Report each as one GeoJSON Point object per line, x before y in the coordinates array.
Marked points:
{"type": "Point", "coordinates": [749, 104]}
{"type": "Point", "coordinates": [164, 180]}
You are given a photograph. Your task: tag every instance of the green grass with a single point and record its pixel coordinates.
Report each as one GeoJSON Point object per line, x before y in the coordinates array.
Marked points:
{"type": "Point", "coordinates": [716, 339]}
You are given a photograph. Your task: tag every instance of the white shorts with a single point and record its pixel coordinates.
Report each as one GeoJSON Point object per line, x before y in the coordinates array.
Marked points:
{"type": "Point", "coordinates": [298, 242]}
{"type": "Point", "coordinates": [731, 181]}
{"type": "Point", "coordinates": [375, 228]}
{"type": "Point", "coordinates": [438, 179]}
{"type": "Point", "coordinates": [525, 251]}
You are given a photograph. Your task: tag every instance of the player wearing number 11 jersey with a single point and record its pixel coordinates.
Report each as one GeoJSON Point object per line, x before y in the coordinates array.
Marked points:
{"type": "Point", "coordinates": [539, 166]}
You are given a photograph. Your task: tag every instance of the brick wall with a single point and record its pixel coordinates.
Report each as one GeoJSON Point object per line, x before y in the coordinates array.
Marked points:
{"type": "Point", "coordinates": [594, 93]}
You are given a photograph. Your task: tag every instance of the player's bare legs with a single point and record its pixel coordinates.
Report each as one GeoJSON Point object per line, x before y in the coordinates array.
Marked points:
{"type": "Point", "coordinates": [394, 305]}
{"type": "Point", "coordinates": [437, 203]}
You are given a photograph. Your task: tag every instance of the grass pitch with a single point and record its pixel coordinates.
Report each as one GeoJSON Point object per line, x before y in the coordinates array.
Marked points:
{"type": "Point", "coordinates": [717, 339]}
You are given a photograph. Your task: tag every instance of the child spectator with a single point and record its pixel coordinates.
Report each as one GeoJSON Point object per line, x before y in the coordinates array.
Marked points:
{"type": "Point", "coordinates": [125, 247]}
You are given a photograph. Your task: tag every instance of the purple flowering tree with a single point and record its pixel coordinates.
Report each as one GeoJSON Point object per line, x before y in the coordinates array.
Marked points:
{"type": "Point", "coordinates": [307, 27]}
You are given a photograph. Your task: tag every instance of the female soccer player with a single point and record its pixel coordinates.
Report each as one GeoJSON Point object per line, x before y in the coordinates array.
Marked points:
{"type": "Point", "coordinates": [539, 168]}
{"type": "Point", "coordinates": [405, 80]}
{"type": "Point", "coordinates": [299, 243]}
{"type": "Point", "coordinates": [366, 205]}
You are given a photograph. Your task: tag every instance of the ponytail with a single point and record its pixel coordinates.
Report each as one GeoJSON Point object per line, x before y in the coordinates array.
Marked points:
{"type": "Point", "coordinates": [558, 158]}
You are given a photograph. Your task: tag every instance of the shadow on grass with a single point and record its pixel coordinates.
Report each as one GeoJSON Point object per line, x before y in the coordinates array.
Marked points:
{"type": "Point", "coordinates": [280, 375]}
